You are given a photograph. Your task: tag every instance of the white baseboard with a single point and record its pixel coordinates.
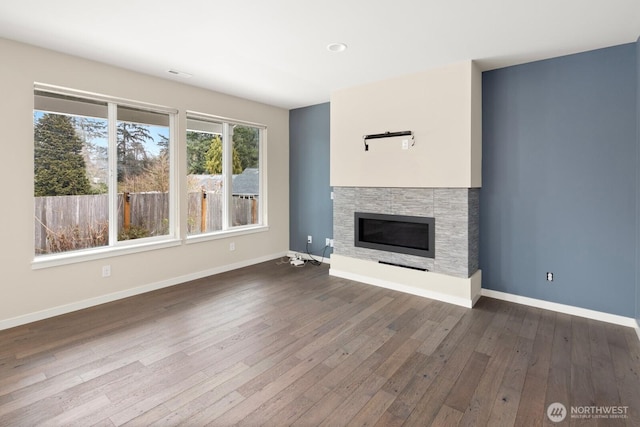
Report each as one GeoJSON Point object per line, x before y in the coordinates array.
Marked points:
{"type": "Point", "coordinates": [91, 302]}
{"type": "Point", "coordinates": [443, 287]}
{"type": "Point", "coordinates": [566, 309]}
{"type": "Point", "coordinates": [307, 257]}
{"type": "Point", "coordinates": [451, 299]}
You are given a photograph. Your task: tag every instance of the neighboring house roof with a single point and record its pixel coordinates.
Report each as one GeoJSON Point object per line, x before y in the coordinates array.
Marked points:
{"type": "Point", "coordinates": [247, 183]}
{"type": "Point", "coordinates": [208, 182]}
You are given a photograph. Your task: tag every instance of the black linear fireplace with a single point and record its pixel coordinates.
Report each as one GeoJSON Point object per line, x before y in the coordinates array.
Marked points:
{"type": "Point", "coordinates": [413, 235]}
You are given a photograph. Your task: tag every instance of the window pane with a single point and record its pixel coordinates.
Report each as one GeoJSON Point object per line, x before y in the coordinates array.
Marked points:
{"type": "Point", "coordinates": [70, 174]}
{"type": "Point", "coordinates": [245, 187]}
{"type": "Point", "coordinates": [143, 173]}
{"type": "Point", "coordinates": [204, 176]}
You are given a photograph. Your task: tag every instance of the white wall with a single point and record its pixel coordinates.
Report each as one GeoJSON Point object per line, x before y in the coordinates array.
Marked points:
{"type": "Point", "coordinates": [27, 294]}
{"type": "Point", "coordinates": [441, 106]}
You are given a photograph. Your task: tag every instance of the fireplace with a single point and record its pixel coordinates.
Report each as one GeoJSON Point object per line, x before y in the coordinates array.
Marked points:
{"type": "Point", "coordinates": [378, 229]}
{"type": "Point", "coordinates": [413, 235]}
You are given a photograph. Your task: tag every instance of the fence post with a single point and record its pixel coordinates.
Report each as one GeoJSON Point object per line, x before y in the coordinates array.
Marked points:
{"type": "Point", "coordinates": [127, 211]}
{"type": "Point", "coordinates": [254, 210]}
{"type": "Point", "coordinates": [43, 225]}
{"type": "Point", "coordinates": [203, 211]}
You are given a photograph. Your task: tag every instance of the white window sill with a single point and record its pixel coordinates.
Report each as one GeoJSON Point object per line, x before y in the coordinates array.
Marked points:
{"type": "Point", "coordinates": [72, 257]}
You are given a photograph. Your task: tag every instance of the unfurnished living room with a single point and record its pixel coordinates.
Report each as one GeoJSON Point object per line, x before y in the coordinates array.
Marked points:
{"type": "Point", "coordinates": [409, 213]}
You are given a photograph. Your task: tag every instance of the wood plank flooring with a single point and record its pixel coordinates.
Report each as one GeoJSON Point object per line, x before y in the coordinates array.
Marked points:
{"type": "Point", "coordinates": [276, 345]}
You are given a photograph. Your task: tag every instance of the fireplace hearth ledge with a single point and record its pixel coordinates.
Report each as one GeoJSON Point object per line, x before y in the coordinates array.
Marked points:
{"type": "Point", "coordinates": [464, 292]}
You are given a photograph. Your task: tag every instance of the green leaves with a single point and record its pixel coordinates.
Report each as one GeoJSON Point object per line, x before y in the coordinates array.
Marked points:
{"type": "Point", "coordinates": [213, 163]}
{"type": "Point", "coordinates": [204, 151]}
{"type": "Point", "coordinates": [246, 144]}
{"type": "Point", "coordinates": [59, 167]}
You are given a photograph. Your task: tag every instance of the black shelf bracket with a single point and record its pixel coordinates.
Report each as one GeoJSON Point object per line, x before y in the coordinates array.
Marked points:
{"type": "Point", "coordinates": [387, 135]}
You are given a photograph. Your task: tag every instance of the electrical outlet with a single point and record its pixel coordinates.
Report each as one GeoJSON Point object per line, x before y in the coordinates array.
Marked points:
{"type": "Point", "coordinates": [232, 246]}
{"type": "Point", "coordinates": [549, 277]}
{"type": "Point", "coordinates": [106, 270]}
{"type": "Point", "coordinates": [330, 243]}
{"type": "Point", "coordinates": [405, 144]}
{"type": "Point", "coordinates": [309, 239]}
{"type": "Point", "coordinates": [327, 242]}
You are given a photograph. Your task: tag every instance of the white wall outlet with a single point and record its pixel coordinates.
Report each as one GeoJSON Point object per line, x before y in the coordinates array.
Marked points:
{"type": "Point", "coordinates": [327, 241]}
{"type": "Point", "coordinates": [309, 239]}
{"type": "Point", "coordinates": [549, 277]}
{"type": "Point", "coordinates": [405, 144]}
{"type": "Point", "coordinates": [232, 246]}
{"type": "Point", "coordinates": [106, 270]}
{"type": "Point", "coordinates": [330, 243]}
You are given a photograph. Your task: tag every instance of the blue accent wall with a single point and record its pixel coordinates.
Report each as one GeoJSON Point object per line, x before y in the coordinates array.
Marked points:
{"type": "Point", "coordinates": [638, 182]}
{"type": "Point", "coordinates": [311, 207]}
{"type": "Point", "coordinates": [559, 187]}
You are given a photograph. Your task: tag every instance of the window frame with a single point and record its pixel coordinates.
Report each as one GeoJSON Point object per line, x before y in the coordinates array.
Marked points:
{"type": "Point", "coordinates": [115, 247]}
{"type": "Point", "coordinates": [227, 172]}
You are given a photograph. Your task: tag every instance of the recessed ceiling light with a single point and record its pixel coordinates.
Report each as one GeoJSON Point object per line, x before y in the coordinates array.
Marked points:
{"type": "Point", "coordinates": [336, 47]}
{"type": "Point", "coordinates": [180, 74]}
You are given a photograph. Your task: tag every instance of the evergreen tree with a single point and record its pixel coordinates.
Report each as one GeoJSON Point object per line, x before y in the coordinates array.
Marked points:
{"type": "Point", "coordinates": [90, 128]}
{"type": "Point", "coordinates": [246, 143]}
{"type": "Point", "coordinates": [59, 165]}
{"type": "Point", "coordinates": [213, 163]}
{"type": "Point", "coordinates": [163, 143]}
{"type": "Point", "coordinates": [132, 155]}
{"type": "Point", "coordinates": [198, 143]}
{"type": "Point", "coordinates": [93, 132]}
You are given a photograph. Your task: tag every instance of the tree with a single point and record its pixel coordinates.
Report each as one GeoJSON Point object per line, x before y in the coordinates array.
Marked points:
{"type": "Point", "coordinates": [155, 177]}
{"type": "Point", "coordinates": [94, 134]}
{"type": "Point", "coordinates": [213, 162]}
{"type": "Point", "coordinates": [132, 155]}
{"type": "Point", "coordinates": [158, 173]}
{"type": "Point", "coordinates": [89, 128]}
{"type": "Point", "coordinates": [246, 141]}
{"type": "Point", "coordinates": [163, 143]}
{"type": "Point", "coordinates": [59, 165]}
{"type": "Point", "coordinates": [198, 143]}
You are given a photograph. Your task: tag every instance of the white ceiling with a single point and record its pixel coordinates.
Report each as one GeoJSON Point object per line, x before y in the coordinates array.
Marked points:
{"type": "Point", "coordinates": [274, 51]}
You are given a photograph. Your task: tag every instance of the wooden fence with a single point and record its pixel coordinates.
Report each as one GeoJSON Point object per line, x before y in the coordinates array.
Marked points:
{"type": "Point", "coordinates": [204, 211]}
{"type": "Point", "coordinates": [65, 223]}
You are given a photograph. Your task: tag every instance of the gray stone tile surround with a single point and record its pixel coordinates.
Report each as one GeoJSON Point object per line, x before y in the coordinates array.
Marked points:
{"type": "Point", "coordinates": [456, 213]}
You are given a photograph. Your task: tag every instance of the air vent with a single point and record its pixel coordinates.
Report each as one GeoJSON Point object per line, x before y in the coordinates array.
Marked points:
{"type": "Point", "coordinates": [180, 74]}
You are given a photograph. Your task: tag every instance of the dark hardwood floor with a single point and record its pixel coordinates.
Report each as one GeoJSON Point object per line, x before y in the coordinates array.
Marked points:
{"type": "Point", "coordinates": [276, 345]}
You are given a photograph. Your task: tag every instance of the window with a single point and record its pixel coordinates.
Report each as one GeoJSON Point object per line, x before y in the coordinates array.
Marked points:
{"type": "Point", "coordinates": [225, 180]}
{"type": "Point", "coordinates": [79, 203]}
